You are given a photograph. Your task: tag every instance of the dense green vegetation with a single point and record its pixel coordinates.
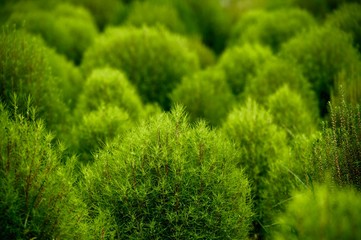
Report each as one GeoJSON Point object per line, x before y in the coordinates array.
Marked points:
{"type": "Point", "coordinates": [180, 119]}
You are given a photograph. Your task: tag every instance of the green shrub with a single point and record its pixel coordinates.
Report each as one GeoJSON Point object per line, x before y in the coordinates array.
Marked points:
{"type": "Point", "coordinates": [265, 155]}
{"type": "Point", "coordinates": [152, 14]}
{"type": "Point", "coordinates": [205, 94]}
{"type": "Point", "coordinates": [153, 59]}
{"type": "Point", "coordinates": [320, 8]}
{"type": "Point", "coordinates": [348, 19]}
{"type": "Point", "coordinates": [321, 214]}
{"type": "Point", "coordinates": [290, 112]}
{"type": "Point", "coordinates": [69, 29]}
{"type": "Point", "coordinates": [271, 28]}
{"type": "Point", "coordinates": [37, 195]}
{"type": "Point", "coordinates": [96, 128]}
{"type": "Point", "coordinates": [25, 71]}
{"type": "Point", "coordinates": [338, 152]}
{"type": "Point", "coordinates": [322, 53]}
{"type": "Point", "coordinates": [206, 55]}
{"type": "Point", "coordinates": [107, 86]}
{"type": "Point", "coordinates": [276, 73]}
{"type": "Point", "coordinates": [105, 12]}
{"type": "Point", "coordinates": [167, 180]}
{"type": "Point", "coordinates": [242, 63]}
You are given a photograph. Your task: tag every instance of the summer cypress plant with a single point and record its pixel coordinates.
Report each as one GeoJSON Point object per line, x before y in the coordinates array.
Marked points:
{"type": "Point", "coordinates": [290, 112]}
{"type": "Point", "coordinates": [264, 154]}
{"type": "Point", "coordinates": [69, 29]}
{"type": "Point", "coordinates": [166, 179]}
{"type": "Point", "coordinates": [240, 64]}
{"type": "Point", "coordinates": [321, 213]}
{"type": "Point", "coordinates": [322, 53]}
{"type": "Point", "coordinates": [205, 94]}
{"type": "Point", "coordinates": [348, 18]}
{"type": "Point", "coordinates": [37, 195]}
{"type": "Point", "coordinates": [153, 59]}
{"type": "Point", "coordinates": [277, 73]}
{"type": "Point", "coordinates": [25, 71]}
{"type": "Point", "coordinates": [152, 13]}
{"type": "Point", "coordinates": [271, 28]}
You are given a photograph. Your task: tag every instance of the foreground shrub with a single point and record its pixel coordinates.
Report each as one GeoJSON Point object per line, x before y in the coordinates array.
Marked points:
{"type": "Point", "coordinates": [277, 73]}
{"type": "Point", "coordinates": [271, 28]}
{"type": "Point", "coordinates": [70, 30]}
{"type": "Point", "coordinates": [322, 54]}
{"type": "Point", "coordinates": [240, 64]}
{"type": "Point", "coordinates": [338, 152]}
{"type": "Point", "coordinates": [290, 112]}
{"type": "Point", "coordinates": [348, 19]}
{"type": "Point", "coordinates": [165, 179]}
{"type": "Point", "coordinates": [264, 154]}
{"type": "Point", "coordinates": [205, 94]}
{"type": "Point", "coordinates": [25, 71]}
{"type": "Point", "coordinates": [153, 59]}
{"type": "Point", "coordinates": [37, 195]}
{"type": "Point", "coordinates": [322, 213]}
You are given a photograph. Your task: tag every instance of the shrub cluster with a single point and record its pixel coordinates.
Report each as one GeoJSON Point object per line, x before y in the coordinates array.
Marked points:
{"type": "Point", "coordinates": [153, 59]}
{"type": "Point", "coordinates": [166, 179]}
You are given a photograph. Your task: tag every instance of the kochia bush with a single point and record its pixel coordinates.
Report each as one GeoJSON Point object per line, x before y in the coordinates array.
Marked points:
{"type": "Point", "coordinates": [271, 28]}
{"type": "Point", "coordinates": [265, 155]}
{"type": "Point", "coordinates": [165, 179]}
{"type": "Point", "coordinates": [38, 199]}
{"type": "Point", "coordinates": [205, 94]}
{"type": "Point", "coordinates": [70, 30]}
{"type": "Point", "coordinates": [240, 64]}
{"type": "Point", "coordinates": [322, 53]}
{"type": "Point", "coordinates": [153, 59]}
{"type": "Point", "coordinates": [321, 213]}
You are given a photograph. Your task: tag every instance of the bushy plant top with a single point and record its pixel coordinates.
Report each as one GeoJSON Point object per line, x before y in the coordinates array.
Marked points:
{"type": "Point", "coordinates": [153, 59]}
{"type": "Point", "coordinates": [265, 155]}
{"type": "Point", "coordinates": [69, 29]}
{"type": "Point", "coordinates": [276, 73]}
{"type": "Point", "coordinates": [290, 112]}
{"type": "Point", "coordinates": [151, 13]}
{"type": "Point", "coordinates": [321, 213]}
{"type": "Point", "coordinates": [322, 53]}
{"type": "Point", "coordinates": [25, 71]}
{"type": "Point", "coordinates": [107, 86]}
{"type": "Point", "coordinates": [37, 195]}
{"type": "Point", "coordinates": [348, 18]}
{"type": "Point", "coordinates": [240, 64]}
{"type": "Point", "coordinates": [205, 94]}
{"type": "Point", "coordinates": [168, 180]}
{"type": "Point", "coordinates": [271, 28]}
{"type": "Point", "coordinates": [104, 12]}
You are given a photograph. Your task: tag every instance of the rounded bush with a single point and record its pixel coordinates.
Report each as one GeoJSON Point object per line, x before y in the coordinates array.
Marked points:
{"type": "Point", "coordinates": [321, 214]}
{"type": "Point", "coordinates": [25, 71]}
{"type": "Point", "coordinates": [107, 86]}
{"type": "Point", "coordinates": [69, 29]}
{"type": "Point", "coordinates": [37, 195]}
{"type": "Point", "coordinates": [265, 155]}
{"type": "Point", "coordinates": [152, 14]}
{"type": "Point", "coordinates": [322, 53]}
{"type": "Point", "coordinates": [205, 94]}
{"type": "Point", "coordinates": [165, 180]}
{"type": "Point", "coordinates": [290, 112]}
{"type": "Point", "coordinates": [240, 64]}
{"type": "Point", "coordinates": [96, 128]}
{"type": "Point", "coordinates": [275, 74]}
{"type": "Point", "coordinates": [105, 12]}
{"type": "Point", "coordinates": [206, 55]}
{"type": "Point", "coordinates": [153, 59]}
{"type": "Point", "coordinates": [271, 28]}
{"type": "Point", "coordinates": [348, 18]}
